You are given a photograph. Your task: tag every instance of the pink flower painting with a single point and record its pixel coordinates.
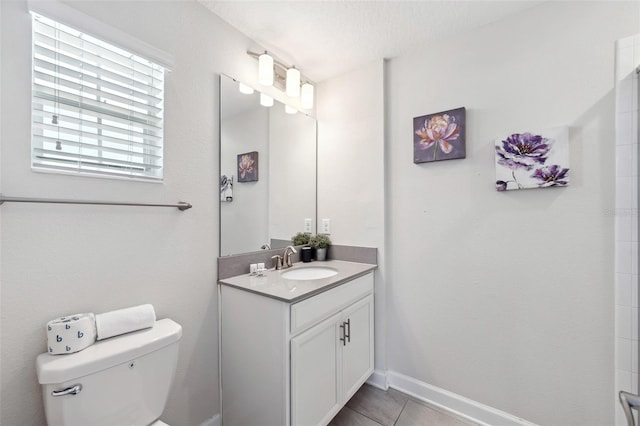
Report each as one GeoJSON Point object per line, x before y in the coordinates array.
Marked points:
{"type": "Point", "coordinates": [248, 167]}
{"type": "Point", "coordinates": [439, 136]}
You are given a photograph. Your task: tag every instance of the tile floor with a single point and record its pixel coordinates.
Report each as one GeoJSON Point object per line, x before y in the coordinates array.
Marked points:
{"type": "Point", "coordinates": [371, 406]}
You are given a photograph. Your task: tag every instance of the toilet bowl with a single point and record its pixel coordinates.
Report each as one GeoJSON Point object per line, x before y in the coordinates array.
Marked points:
{"type": "Point", "coordinates": [121, 380]}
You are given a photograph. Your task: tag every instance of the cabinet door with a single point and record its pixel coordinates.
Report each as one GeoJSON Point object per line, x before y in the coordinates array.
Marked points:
{"type": "Point", "coordinates": [315, 360]}
{"type": "Point", "coordinates": [357, 351]}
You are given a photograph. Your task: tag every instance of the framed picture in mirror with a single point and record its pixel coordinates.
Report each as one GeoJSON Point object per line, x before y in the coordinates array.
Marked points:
{"type": "Point", "coordinates": [248, 167]}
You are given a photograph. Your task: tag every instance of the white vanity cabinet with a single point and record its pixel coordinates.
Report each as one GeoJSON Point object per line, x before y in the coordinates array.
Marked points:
{"type": "Point", "coordinates": [329, 363]}
{"type": "Point", "coordinates": [294, 363]}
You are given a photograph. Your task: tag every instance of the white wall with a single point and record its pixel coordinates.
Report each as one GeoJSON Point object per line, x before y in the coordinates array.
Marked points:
{"type": "Point", "coordinates": [246, 224]}
{"type": "Point", "coordinates": [507, 298]}
{"type": "Point", "coordinates": [350, 111]}
{"type": "Point", "coordinates": [59, 259]}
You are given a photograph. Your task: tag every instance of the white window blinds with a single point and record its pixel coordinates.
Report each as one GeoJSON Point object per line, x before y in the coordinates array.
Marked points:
{"type": "Point", "coordinates": [97, 109]}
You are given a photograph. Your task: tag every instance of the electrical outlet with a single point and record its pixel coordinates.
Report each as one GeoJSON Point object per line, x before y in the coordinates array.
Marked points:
{"type": "Point", "coordinates": [307, 225]}
{"type": "Point", "coordinates": [326, 226]}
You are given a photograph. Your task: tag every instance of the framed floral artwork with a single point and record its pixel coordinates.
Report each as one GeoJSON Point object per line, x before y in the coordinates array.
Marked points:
{"type": "Point", "coordinates": [248, 167]}
{"type": "Point", "coordinates": [439, 136]}
{"type": "Point", "coordinates": [535, 159]}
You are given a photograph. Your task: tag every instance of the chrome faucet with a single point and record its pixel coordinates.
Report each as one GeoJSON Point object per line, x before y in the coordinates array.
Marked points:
{"type": "Point", "coordinates": [286, 257]}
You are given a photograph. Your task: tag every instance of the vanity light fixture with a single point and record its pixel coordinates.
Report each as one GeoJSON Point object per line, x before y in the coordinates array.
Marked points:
{"type": "Point", "coordinates": [266, 100]}
{"type": "Point", "coordinates": [271, 72]}
{"type": "Point", "coordinates": [265, 69]}
{"type": "Point", "coordinates": [247, 90]}
{"type": "Point", "coordinates": [306, 96]}
{"type": "Point", "coordinates": [290, 110]}
{"type": "Point", "coordinates": [293, 82]}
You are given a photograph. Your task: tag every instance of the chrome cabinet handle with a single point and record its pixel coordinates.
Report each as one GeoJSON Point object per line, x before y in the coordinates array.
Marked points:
{"type": "Point", "coordinates": [73, 390]}
{"type": "Point", "coordinates": [346, 332]}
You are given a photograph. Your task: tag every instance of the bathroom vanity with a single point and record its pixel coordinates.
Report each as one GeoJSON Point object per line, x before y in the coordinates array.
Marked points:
{"type": "Point", "coordinates": [293, 351]}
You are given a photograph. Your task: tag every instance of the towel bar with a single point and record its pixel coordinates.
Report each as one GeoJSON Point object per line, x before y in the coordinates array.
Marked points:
{"type": "Point", "coordinates": [180, 205]}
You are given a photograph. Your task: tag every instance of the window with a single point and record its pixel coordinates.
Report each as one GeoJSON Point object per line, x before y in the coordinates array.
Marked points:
{"type": "Point", "coordinates": [96, 109]}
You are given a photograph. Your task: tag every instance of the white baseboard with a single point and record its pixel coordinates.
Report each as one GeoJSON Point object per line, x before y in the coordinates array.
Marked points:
{"type": "Point", "coordinates": [457, 404]}
{"type": "Point", "coordinates": [379, 380]}
{"type": "Point", "coordinates": [213, 421]}
{"type": "Point", "coordinates": [450, 401]}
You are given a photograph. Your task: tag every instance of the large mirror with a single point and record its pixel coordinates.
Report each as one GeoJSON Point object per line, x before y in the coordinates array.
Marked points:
{"type": "Point", "coordinates": [267, 172]}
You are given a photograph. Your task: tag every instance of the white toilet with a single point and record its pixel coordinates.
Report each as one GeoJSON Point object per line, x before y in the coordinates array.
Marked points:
{"type": "Point", "coordinates": [124, 380]}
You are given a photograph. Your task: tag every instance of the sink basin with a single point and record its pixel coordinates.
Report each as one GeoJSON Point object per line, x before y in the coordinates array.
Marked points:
{"type": "Point", "coordinates": [309, 273]}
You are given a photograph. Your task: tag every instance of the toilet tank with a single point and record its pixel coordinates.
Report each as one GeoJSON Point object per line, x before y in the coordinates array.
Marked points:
{"type": "Point", "coordinates": [124, 380]}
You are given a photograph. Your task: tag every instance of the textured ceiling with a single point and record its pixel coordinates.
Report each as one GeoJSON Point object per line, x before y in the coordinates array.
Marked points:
{"type": "Point", "coordinates": [328, 38]}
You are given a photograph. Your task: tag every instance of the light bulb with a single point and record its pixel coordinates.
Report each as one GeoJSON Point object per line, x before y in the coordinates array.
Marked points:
{"type": "Point", "coordinates": [265, 69]}
{"type": "Point", "coordinates": [247, 90]}
{"type": "Point", "coordinates": [306, 96]}
{"type": "Point", "coordinates": [290, 110]}
{"type": "Point", "coordinates": [293, 82]}
{"type": "Point", "coordinates": [266, 100]}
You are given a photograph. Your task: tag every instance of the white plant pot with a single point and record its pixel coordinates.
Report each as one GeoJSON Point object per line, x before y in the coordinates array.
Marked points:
{"type": "Point", "coordinates": [321, 254]}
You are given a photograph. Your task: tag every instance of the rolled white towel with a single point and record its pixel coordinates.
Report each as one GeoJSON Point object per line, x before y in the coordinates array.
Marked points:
{"type": "Point", "coordinates": [125, 320]}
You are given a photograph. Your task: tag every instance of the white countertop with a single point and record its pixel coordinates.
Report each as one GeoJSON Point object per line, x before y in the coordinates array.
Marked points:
{"type": "Point", "coordinates": [273, 285]}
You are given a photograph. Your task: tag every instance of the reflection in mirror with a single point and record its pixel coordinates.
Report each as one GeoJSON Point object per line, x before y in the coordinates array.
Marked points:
{"type": "Point", "coordinates": [267, 169]}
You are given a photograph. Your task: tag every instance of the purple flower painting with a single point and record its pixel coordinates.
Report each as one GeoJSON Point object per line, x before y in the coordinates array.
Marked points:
{"type": "Point", "coordinates": [248, 167]}
{"type": "Point", "coordinates": [439, 136]}
{"type": "Point", "coordinates": [533, 159]}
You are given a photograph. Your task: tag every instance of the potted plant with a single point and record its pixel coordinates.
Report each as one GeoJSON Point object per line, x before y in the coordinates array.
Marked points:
{"type": "Point", "coordinates": [301, 239]}
{"type": "Point", "coordinates": [321, 243]}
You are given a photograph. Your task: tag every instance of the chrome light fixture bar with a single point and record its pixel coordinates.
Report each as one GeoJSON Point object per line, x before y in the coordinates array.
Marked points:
{"type": "Point", "coordinates": [272, 72]}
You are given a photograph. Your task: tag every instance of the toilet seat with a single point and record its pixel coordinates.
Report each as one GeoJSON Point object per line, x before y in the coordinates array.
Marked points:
{"type": "Point", "coordinates": [158, 423]}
